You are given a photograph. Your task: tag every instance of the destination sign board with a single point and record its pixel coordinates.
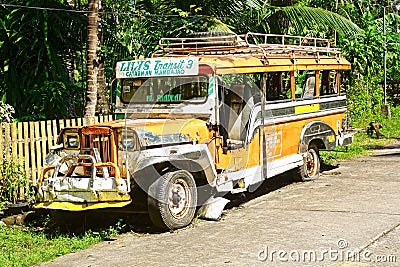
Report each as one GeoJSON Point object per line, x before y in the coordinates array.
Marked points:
{"type": "Point", "coordinates": [154, 67]}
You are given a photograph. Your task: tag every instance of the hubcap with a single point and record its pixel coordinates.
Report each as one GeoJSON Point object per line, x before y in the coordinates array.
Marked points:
{"type": "Point", "coordinates": [310, 164]}
{"type": "Point", "coordinates": [179, 198]}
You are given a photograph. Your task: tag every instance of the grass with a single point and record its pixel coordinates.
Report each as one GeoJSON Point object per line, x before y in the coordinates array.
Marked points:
{"type": "Point", "coordinates": [22, 246]}
{"type": "Point", "coordinates": [362, 143]}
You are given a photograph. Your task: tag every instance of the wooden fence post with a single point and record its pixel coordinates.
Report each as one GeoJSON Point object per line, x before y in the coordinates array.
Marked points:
{"type": "Point", "coordinates": [20, 138]}
{"type": "Point", "coordinates": [1, 143]}
{"type": "Point", "coordinates": [32, 148]}
{"type": "Point", "coordinates": [7, 141]}
{"type": "Point", "coordinates": [14, 140]}
{"type": "Point", "coordinates": [43, 142]}
{"type": "Point", "coordinates": [27, 156]}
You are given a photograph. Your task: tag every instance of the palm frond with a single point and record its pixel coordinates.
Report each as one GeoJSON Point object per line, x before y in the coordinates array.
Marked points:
{"type": "Point", "coordinates": [218, 26]}
{"type": "Point", "coordinates": [113, 43]}
{"type": "Point", "coordinates": [302, 17]}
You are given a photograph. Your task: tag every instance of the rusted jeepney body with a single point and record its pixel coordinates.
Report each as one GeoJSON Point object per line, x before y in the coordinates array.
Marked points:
{"type": "Point", "coordinates": [205, 116]}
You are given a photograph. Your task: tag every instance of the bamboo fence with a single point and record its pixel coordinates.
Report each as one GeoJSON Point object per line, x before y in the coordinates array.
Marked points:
{"type": "Point", "coordinates": [27, 143]}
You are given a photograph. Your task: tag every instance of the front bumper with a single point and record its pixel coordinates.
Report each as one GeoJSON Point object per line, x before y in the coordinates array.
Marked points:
{"type": "Point", "coordinates": [77, 189]}
{"type": "Point", "coordinates": [75, 193]}
{"type": "Point", "coordinates": [70, 206]}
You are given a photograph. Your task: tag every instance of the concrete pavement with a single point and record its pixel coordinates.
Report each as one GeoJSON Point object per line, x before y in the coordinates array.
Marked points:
{"type": "Point", "coordinates": [350, 216]}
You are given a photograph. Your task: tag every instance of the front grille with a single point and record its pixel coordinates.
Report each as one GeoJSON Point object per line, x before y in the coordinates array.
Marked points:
{"type": "Point", "coordinates": [101, 142]}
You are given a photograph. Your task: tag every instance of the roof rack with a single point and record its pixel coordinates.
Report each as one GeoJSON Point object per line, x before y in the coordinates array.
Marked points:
{"type": "Point", "coordinates": [256, 44]}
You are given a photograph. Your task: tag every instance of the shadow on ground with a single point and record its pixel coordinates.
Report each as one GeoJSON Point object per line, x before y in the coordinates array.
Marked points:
{"type": "Point", "coordinates": [269, 185]}
{"type": "Point", "coordinates": [66, 222]}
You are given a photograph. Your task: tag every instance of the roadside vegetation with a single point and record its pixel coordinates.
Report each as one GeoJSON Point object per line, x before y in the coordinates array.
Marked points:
{"type": "Point", "coordinates": [364, 143]}
{"type": "Point", "coordinates": [22, 246]}
{"type": "Point", "coordinates": [40, 238]}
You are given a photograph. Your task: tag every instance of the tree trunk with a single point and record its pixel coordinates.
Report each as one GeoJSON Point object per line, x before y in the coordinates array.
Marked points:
{"type": "Point", "coordinates": [281, 22]}
{"type": "Point", "coordinates": [92, 62]}
{"type": "Point", "coordinates": [102, 104]}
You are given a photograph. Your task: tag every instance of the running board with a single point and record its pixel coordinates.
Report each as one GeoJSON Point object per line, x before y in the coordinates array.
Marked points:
{"type": "Point", "coordinates": [213, 208]}
{"type": "Point", "coordinates": [238, 190]}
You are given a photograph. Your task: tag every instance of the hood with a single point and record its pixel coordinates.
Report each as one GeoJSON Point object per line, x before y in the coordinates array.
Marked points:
{"type": "Point", "coordinates": [163, 131]}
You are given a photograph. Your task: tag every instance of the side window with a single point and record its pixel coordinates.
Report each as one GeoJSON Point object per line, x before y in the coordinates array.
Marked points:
{"type": "Point", "coordinates": [240, 88]}
{"type": "Point", "coordinates": [71, 140]}
{"type": "Point", "coordinates": [239, 94]}
{"type": "Point", "coordinates": [305, 84]}
{"type": "Point", "coordinates": [309, 87]}
{"type": "Point", "coordinates": [253, 84]}
{"type": "Point", "coordinates": [329, 85]}
{"type": "Point", "coordinates": [278, 86]}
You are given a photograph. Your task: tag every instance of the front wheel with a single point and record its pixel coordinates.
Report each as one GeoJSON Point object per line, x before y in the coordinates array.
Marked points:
{"type": "Point", "coordinates": [311, 167]}
{"type": "Point", "coordinates": [172, 200]}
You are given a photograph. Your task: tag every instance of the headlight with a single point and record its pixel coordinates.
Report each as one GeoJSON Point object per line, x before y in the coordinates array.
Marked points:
{"type": "Point", "coordinates": [72, 142]}
{"type": "Point", "coordinates": [127, 143]}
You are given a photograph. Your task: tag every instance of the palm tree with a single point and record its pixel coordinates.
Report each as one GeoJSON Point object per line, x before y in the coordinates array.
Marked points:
{"type": "Point", "coordinates": [92, 60]}
{"type": "Point", "coordinates": [276, 16]}
{"type": "Point", "coordinates": [102, 106]}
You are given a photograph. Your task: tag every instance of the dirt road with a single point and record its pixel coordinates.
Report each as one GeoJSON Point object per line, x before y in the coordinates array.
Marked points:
{"type": "Point", "coordinates": [353, 210]}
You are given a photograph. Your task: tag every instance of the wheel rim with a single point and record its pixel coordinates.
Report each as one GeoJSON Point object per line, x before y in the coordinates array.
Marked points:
{"type": "Point", "coordinates": [311, 163]}
{"type": "Point", "coordinates": [179, 198]}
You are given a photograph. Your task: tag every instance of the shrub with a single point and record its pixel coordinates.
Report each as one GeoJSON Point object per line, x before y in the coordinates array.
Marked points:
{"type": "Point", "coordinates": [365, 100]}
{"type": "Point", "coordinates": [13, 182]}
{"type": "Point", "coordinates": [6, 112]}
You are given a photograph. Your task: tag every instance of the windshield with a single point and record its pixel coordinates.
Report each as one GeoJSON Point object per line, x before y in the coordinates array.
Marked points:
{"type": "Point", "coordinates": [165, 89]}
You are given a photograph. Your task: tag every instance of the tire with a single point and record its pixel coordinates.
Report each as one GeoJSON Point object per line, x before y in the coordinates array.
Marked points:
{"type": "Point", "coordinates": [311, 167]}
{"type": "Point", "coordinates": [172, 200]}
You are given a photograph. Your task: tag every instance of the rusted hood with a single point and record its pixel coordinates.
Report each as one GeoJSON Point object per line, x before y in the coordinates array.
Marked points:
{"type": "Point", "coordinates": [194, 128]}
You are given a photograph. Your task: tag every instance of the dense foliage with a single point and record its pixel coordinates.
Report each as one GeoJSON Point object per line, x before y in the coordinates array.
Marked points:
{"type": "Point", "coordinates": [366, 53]}
{"type": "Point", "coordinates": [43, 48]}
{"type": "Point", "coordinates": [38, 49]}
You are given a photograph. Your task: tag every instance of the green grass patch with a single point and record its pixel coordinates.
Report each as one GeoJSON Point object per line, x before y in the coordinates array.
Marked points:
{"type": "Point", "coordinates": [25, 247]}
{"type": "Point", "coordinates": [362, 143]}
{"type": "Point", "coordinates": [361, 146]}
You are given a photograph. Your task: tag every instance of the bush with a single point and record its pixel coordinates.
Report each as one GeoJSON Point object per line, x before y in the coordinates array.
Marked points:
{"type": "Point", "coordinates": [13, 182]}
{"type": "Point", "coordinates": [6, 112]}
{"type": "Point", "coordinates": [365, 99]}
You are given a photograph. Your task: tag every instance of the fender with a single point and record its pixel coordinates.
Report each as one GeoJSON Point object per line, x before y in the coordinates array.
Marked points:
{"type": "Point", "coordinates": [317, 130]}
{"type": "Point", "coordinates": [193, 158]}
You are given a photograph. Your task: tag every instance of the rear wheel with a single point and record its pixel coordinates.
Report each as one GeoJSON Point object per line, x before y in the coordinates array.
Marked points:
{"type": "Point", "coordinates": [311, 167]}
{"type": "Point", "coordinates": [172, 200]}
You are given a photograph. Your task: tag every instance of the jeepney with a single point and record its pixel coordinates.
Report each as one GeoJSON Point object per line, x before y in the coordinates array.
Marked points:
{"type": "Point", "coordinates": [203, 117]}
